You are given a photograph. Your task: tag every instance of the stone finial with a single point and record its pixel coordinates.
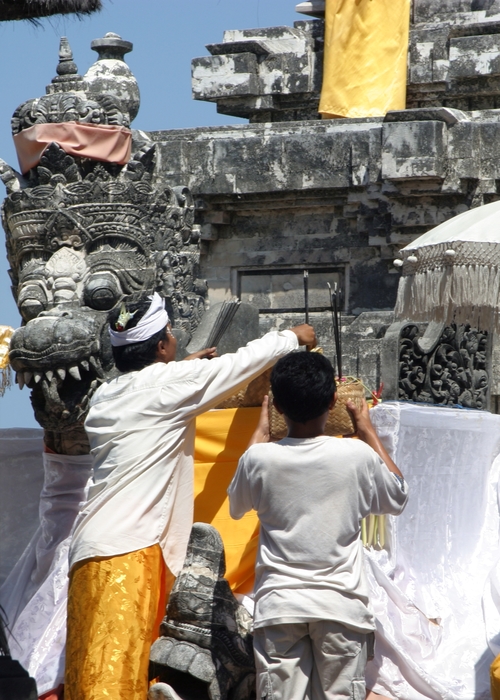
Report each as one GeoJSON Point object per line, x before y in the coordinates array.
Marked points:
{"type": "Point", "coordinates": [67, 77]}
{"type": "Point", "coordinates": [66, 65]}
{"type": "Point", "coordinates": [111, 76]}
{"type": "Point", "coordinates": [111, 46]}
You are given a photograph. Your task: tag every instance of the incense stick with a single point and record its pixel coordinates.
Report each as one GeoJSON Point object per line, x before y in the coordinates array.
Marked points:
{"type": "Point", "coordinates": [336, 327]}
{"type": "Point", "coordinates": [306, 294]}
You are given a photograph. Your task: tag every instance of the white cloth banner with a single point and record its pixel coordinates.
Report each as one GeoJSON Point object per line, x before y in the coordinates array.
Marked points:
{"type": "Point", "coordinates": [436, 597]}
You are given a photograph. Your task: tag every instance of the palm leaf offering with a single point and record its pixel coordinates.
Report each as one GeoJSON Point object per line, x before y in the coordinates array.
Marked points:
{"type": "Point", "coordinates": [222, 322]}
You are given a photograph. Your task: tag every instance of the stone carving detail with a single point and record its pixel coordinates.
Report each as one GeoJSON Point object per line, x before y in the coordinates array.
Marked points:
{"type": "Point", "coordinates": [452, 371]}
{"type": "Point", "coordinates": [206, 648]}
{"type": "Point", "coordinates": [80, 235]}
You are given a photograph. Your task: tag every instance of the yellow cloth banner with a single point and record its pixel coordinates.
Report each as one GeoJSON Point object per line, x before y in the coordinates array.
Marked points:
{"type": "Point", "coordinates": [221, 438]}
{"type": "Point", "coordinates": [366, 47]}
{"type": "Point", "coordinates": [6, 333]}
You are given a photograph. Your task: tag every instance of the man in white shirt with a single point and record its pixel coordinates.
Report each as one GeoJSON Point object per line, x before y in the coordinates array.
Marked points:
{"type": "Point", "coordinates": [141, 429]}
{"type": "Point", "coordinates": [313, 628]}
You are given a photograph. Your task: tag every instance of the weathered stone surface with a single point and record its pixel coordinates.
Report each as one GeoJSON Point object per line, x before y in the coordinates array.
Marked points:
{"type": "Point", "coordinates": [211, 652]}
{"type": "Point", "coordinates": [413, 150]}
{"type": "Point", "coordinates": [454, 61]}
{"type": "Point", "coordinates": [263, 74]}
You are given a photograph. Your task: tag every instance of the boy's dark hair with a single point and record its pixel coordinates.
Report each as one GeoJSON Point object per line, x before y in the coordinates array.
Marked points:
{"type": "Point", "coordinates": [303, 385]}
{"type": "Point", "coordinates": [136, 356]}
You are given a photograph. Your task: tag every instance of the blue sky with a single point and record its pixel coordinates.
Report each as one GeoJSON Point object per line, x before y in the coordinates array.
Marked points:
{"type": "Point", "coordinates": [166, 35]}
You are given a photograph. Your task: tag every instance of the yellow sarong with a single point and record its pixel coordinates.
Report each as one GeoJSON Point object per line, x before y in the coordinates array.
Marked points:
{"type": "Point", "coordinates": [495, 679]}
{"type": "Point", "coordinates": [115, 605]}
{"type": "Point", "coordinates": [366, 46]}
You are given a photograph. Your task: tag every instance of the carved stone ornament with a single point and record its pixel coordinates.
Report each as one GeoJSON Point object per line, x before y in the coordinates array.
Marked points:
{"type": "Point", "coordinates": [206, 646]}
{"type": "Point", "coordinates": [446, 365]}
{"type": "Point", "coordinates": [81, 234]}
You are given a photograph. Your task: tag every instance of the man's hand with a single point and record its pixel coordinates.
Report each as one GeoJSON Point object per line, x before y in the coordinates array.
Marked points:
{"type": "Point", "coordinates": [206, 353]}
{"type": "Point", "coordinates": [306, 335]}
{"type": "Point", "coordinates": [262, 432]}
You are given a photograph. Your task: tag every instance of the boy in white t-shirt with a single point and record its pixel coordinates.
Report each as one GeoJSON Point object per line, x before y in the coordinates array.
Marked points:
{"type": "Point", "coordinates": [313, 629]}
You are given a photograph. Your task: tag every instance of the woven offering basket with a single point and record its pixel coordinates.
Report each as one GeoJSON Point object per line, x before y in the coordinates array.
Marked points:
{"type": "Point", "coordinates": [339, 419]}
{"type": "Point", "coordinates": [251, 395]}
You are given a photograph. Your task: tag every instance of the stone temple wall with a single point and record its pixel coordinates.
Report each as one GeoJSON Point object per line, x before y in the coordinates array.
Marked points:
{"type": "Point", "coordinates": [339, 197]}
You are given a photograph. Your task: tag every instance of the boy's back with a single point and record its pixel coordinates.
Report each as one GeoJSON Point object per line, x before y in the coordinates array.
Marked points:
{"type": "Point", "coordinates": [310, 495]}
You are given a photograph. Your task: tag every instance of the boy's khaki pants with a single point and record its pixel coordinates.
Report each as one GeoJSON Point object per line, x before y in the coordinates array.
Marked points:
{"type": "Point", "coordinates": [317, 660]}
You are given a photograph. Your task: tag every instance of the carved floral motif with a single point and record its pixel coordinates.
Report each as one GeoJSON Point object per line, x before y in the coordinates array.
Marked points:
{"type": "Point", "coordinates": [454, 371]}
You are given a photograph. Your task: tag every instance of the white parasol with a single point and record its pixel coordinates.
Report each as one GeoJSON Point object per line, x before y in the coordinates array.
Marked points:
{"type": "Point", "coordinates": [452, 273]}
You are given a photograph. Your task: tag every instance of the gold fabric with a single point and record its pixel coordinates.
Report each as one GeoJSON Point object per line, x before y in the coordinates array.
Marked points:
{"type": "Point", "coordinates": [495, 679]}
{"type": "Point", "coordinates": [5, 336]}
{"type": "Point", "coordinates": [114, 608]}
{"type": "Point", "coordinates": [221, 438]}
{"type": "Point", "coordinates": [366, 47]}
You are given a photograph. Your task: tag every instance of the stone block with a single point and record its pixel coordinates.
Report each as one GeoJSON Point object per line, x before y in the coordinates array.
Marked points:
{"type": "Point", "coordinates": [474, 56]}
{"type": "Point", "coordinates": [414, 150]}
{"type": "Point", "coordinates": [389, 360]}
{"type": "Point", "coordinates": [202, 666]}
{"type": "Point", "coordinates": [181, 656]}
{"type": "Point", "coordinates": [216, 77]}
{"type": "Point", "coordinates": [160, 650]}
{"type": "Point", "coordinates": [421, 62]}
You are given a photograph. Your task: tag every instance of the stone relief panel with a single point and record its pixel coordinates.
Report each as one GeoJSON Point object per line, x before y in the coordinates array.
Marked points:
{"type": "Point", "coordinates": [444, 365]}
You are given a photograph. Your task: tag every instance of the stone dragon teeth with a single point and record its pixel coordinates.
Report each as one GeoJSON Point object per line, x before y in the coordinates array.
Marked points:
{"type": "Point", "coordinates": [75, 373]}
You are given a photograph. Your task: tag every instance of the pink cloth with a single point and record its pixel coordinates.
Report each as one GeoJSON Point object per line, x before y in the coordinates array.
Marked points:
{"type": "Point", "coordinates": [99, 142]}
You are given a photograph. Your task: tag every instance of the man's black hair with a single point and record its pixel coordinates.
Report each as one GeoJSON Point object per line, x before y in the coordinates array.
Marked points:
{"type": "Point", "coordinates": [136, 356]}
{"type": "Point", "coordinates": [303, 385]}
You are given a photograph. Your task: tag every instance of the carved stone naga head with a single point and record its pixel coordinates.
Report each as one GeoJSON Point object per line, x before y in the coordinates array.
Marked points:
{"type": "Point", "coordinates": [83, 233]}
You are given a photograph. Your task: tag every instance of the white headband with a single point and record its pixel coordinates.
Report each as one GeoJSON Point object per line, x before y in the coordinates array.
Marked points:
{"type": "Point", "coordinates": [154, 320]}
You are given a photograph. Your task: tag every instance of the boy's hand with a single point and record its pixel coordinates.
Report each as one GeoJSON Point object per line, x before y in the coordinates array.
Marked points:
{"type": "Point", "coordinates": [361, 417]}
{"type": "Point", "coordinates": [366, 432]}
{"type": "Point", "coordinates": [262, 432]}
{"type": "Point", "coordinates": [306, 335]}
{"type": "Point", "coordinates": [207, 353]}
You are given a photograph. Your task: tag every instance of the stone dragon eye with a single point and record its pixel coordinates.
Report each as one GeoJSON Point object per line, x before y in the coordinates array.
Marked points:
{"type": "Point", "coordinates": [32, 300]}
{"type": "Point", "coordinates": [102, 291]}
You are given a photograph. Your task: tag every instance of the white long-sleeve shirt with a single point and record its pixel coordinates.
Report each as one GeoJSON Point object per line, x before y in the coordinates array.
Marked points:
{"type": "Point", "coordinates": [141, 428]}
{"type": "Point", "coordinates": [310, 495]}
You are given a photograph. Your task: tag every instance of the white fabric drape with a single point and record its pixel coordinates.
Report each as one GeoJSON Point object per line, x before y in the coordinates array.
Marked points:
{"type": "Point", "coordinates": [34, 595]}
{"type": "Point", "coordinates": [436, 596]}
